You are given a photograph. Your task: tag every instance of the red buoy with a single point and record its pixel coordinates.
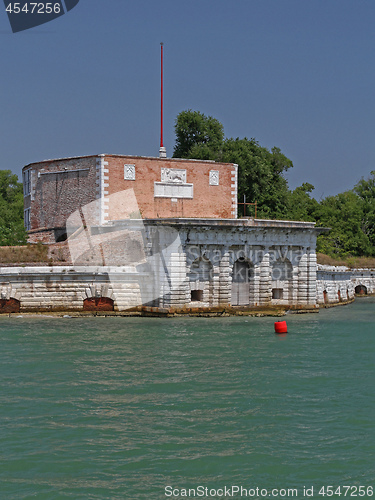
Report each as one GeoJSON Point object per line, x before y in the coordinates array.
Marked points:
{"type": "Point", "coordinates": [281, 327]}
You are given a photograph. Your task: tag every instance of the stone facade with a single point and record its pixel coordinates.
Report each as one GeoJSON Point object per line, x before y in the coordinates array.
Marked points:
{"type": "Point", "coordinates": [163, 234]}
{"type": "Point", "coordinates": [179, 266]}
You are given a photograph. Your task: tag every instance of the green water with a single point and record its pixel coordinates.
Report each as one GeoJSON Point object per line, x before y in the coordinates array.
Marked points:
{"type": "Point", "coordinates": [119, 408]}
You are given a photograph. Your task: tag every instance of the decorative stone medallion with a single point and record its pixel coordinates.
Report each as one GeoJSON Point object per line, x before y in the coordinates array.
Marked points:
{"type": "Point", "coordinates": [214, 177]}
{"type": "Point", "coordinates": [129, 172]}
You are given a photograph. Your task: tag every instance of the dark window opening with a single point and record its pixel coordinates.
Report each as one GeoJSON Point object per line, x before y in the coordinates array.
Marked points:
{"type": "Point", "coordinates": [61, 238]}
{"type": "Point", "coordinates": [196, 295]}
{"type": "Point", "coordinates": [27, 182]}
{"type": "Point", "coordinates": [277, 293]}
{"type": "Point", "coordinates": [60, 234]}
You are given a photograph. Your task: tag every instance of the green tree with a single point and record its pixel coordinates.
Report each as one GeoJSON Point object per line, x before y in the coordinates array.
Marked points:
{"type": "Point", "coordinates": [343, 213]}
{"type": "Point", "coordinates": [300, 204]}
{"type": "Point", "coordinates": [260, 171]}
{"type": "Point", "coordinates": [261, 178]}
{"type": "Point", "coordinates": [12, 231]}
{"type": "Point", "coordinates": [198, 136]}
{"type": "Point", "coordinates": [365, 189]}
{"type": "Point", "coordinates": [260, 175]}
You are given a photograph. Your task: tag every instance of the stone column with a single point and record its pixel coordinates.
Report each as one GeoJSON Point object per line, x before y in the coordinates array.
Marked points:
{"type": "Point", "coordinates": [312, 291]}
{"type": "Point", "coordinates": [303, 278]}
{"type": "Point", "coordinates": [255, 287]}
{"type": "Point", "coordinates": [178, 280]}
{"type": "Point", "coordinates": [265, 291]}
{"type": "Point", "coordinates": [215, 283]}
{"type": "Point", "coordinates": [295, 277]}
{"type": "Point", "coordinates": [224, 280]}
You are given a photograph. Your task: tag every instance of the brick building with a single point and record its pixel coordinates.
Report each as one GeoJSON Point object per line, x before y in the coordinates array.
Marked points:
{"type": "Point", "coordinates": [157, 235]}
{"type": "Point", "coordinates": [162, 188]}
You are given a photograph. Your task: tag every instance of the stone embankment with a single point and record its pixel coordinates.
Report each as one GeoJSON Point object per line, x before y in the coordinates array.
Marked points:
{"type": "Point", "coordinates": [336, 285]}
{"type": "Point", "coordinates": [174, 266]}
{"type": "Point", "coordinates": [116, 290]}
{"type": "Point", "coordinates": [184, 266]}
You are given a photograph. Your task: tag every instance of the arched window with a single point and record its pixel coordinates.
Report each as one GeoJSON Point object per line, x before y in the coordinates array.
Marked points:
{"type": "Point", "coordinates": [282, 270]}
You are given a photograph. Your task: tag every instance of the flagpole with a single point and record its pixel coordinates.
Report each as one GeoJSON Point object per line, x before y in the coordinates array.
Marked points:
{"type": "Point", "coordinates": [162, 150]}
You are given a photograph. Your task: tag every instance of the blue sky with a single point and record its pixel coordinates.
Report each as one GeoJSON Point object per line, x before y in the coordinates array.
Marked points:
{"type": "Point", "coordinates": [295, 74]}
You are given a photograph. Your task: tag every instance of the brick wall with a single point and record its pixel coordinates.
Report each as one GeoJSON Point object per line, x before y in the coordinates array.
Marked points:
{"type": "Point", "coordinates": [59, 187]}
{"type": "Point", "coordinates": [216, 201]}
{"type": "Point", "coordinates": [113, 187]}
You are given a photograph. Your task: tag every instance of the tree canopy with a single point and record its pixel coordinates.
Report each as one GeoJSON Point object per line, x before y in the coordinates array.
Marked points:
{"type": "Point", "coordinates": [343, 213]}
{"type": "Point", "coordinates": [365, 189]}
{"type": "Point", "coordinates": [261, 178]}
{"type": "Point", "coordinates": [12, 231]}
{"type": "Point", "coordinates": [261, 172]}
{"type": "Point", "coordinates": [197, 136]}
{"type": "Point", "coordinates": [260, 175]}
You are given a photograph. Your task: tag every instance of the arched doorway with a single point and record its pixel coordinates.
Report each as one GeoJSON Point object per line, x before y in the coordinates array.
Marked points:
{"type": "Point", "coordinates": [360, 290]}
{"type": "Point", "coordinates": [9, 306]}
{"type": "Point", "coordinates": [98, 304]}
{"type": "Point", "coordinates": [241, 278]}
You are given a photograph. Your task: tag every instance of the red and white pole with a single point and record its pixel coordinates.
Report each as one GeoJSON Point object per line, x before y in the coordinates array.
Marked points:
{"type": "Point", "coordinates": [162, 150]}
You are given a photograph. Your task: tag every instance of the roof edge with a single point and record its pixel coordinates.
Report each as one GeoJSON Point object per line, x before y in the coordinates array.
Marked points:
{"type": "Point", "coordinates": [102, 155]}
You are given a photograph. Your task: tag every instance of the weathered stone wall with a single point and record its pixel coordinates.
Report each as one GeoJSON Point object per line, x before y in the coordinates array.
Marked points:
{"type": "Point", "coordinates": [364, 281]}
{"type": "Point", "coordinates": [276, 258]}
{"type": "Point", "coordinates": [334, 285]}
{"type": "Point", "coordinates": [179, 265]}
{"type": "Point", "coordinates": [340, 284]}
{"type": "Point", "coordinates": [66, 288]}
{"type": "Point", "coordinates": [186, 267]}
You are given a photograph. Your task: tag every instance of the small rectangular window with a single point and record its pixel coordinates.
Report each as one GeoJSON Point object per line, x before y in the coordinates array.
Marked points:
{"type": "Point", "coordinates": [27, 182]}
{"type": "Point", "coordinates": [26, 216]}
{"type": "Point", "coordinates": [196, 295]}
{"type": "Point", "coordinates": [277, 293]}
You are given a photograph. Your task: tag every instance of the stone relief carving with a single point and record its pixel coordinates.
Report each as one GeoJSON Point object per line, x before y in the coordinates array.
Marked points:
{"type": "Point", "coordinates": [173, 175]}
